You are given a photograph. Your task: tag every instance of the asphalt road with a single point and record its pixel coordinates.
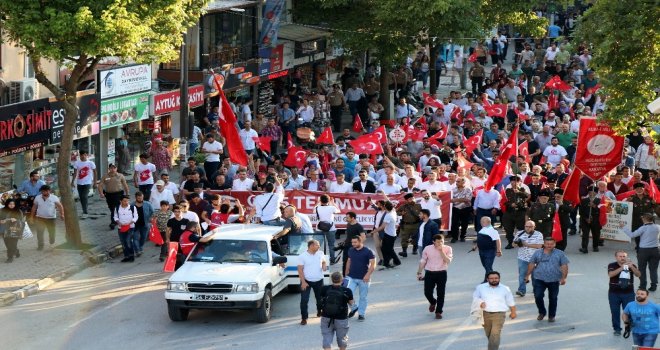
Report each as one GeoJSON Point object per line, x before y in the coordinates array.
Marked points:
{"type": "Point", "coordinates": [115, 306]}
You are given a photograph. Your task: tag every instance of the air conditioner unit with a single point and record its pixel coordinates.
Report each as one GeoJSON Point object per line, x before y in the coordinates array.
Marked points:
{"type": "Point", "coordinates": [23, 90]}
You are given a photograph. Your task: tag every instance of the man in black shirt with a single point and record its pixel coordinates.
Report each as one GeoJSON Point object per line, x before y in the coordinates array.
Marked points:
{"type": "Point", "coordinates": [175, 226]}
{"type": "Point", "coordinates": [353, 229]}
{"type": "Point", "coordinates": [192, 166]}
{"type": "Point", "coordinates": [622, 291]}
{"type": "Point", "coordinates": [292, 225]}
{"type": "Point", "coordinates": [334, 312]}
{"type": "Point", "coordinates": [195, 181]}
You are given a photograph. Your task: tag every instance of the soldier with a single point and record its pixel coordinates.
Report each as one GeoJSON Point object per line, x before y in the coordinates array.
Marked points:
{"type": "Point", "coordinates": [564, 209]}
{"type": "Point", "coordinates": [642, 203]}
{"type": "Point", "coordinates": [542, 213]}
{"type": "Point", "coordinates": [513, 218]}
{"type": "Point", "coordinates": [409, 226]}
{"type": "Point", "coordinates": [590, 219]}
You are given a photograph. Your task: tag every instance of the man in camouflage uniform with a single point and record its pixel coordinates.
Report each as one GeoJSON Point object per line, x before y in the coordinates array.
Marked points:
{"type": "Point", "coordinates": [409, 227]}
{"type": "Point", "coordinates": [513, 219]}
{"type": "Point", "coordinates": [564, 209]}
{"type": "Point", "coordinates": [642, 203]}
{"type": "Point", "coordinates": [542, 213]}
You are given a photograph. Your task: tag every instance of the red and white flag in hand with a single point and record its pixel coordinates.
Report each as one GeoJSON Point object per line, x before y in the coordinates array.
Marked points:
{"type": "Point", "coordinates": [289, 141]}
{"type": "Point", "coordinates": [571, 187]}
{"type": "Point", "coordinates": [357, 124]}
{"type": "Point", "coordinates": [500, 167]}
{"type": "Point", "coordinates": [381, 133]}
{"type": "Point", "coordinates": [553, 102]}
{"type": "Point", "coordinates": [473, 142]}
{"type": "Point", "coordinates": [326, 137]}
{"type": "Point", "coordinates": [441, 134]}
{"type": "Point", "coordinates": [496, 110]}
{"type": "Point", "coordinates": [455, 113]}
{"type": "Point", "coordinates": [430, 101]}
{"type": "Point", "coordinates": [418, 135]}
{"type": "Point", "coordinates": [296, 157]}
{"type": "Point", "coordinates": [227, 123]}
{"type": "Point", "coordinates": [522, 116]}
{"type": "Point", "coordinates": [422, 121]}
{"type": "Point", "coordinates": [170, 262]}
{"type": "Point", "coordinates": [625, 195]}
{"type": "Point", "coordinates": [653, 191]}
{"type": "Point", "coordinates": [367, 144]}
{"type": "Point", "coordinates": [523, 150]}
{"type": "Point", "coordinates": [590, 91]}
{"type": "Point", "coordinates": [485, 101]}
{"type": "Point", "coordinates": [503, 199]}
{"type": "Point", "coordinates": [463, 163]}
{"type": "Point", "coordinates": [263, 143]}
{"type": "Point", "coordinates": [556, 229]}
{"type": "Point", "coordinates": [555, 83]}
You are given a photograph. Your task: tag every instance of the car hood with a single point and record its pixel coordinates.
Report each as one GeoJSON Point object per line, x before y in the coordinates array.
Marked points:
{"type": "Point", "coordinates": [215, 272]}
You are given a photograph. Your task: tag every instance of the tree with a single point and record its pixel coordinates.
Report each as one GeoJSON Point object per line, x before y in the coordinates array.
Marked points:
{"type": "Point", "coordinates": [79, 33]}
{"type": "Point", "coordinates": [625, 44]}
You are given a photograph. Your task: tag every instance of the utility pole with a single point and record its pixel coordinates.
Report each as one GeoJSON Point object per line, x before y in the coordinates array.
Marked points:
{"type": "Point", "coordinates": [183, 107]}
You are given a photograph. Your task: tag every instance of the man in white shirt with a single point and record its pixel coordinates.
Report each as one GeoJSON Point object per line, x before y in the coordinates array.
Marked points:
{"type": "Point", "coordinates": [340, 186]}
{"type": "Point", "coordinates": [311, 265]}
{"type": "Point", "coordinates": [486, 203]}
{"type": "Point", "coordinates": [387, 233]}
{"type": "Point", "coordinates": [144, 175]}
{"type": "Point", "coordinates": [161, 194]}
{"type": "Point", "coordinates": [44, 212]}
{"type": "Point", "coordinates": [432, 203]}
{"type": "Point", "coordinates": [212, 150]}
{"type": "Point", "coordinates": [352, 97]}
{"type": "Point", "coordinates": [84, 176]}
{"type": "Point", "coordinates": [433, 185]}
{"type": "Point", "coordinates": [243, 183]}
{"type": "Point", "coordinates": [247, 136]}
{"type": "Point", "coordinates": [267, 205]}
{"type": "Point", "coordinates": [409, 174]}
{"type": "Point", "coordinates": [404, 110]}
{"type": "Point", "coordinates": [494, 299]}
{"type": "Point", "coordinates": [246, 113]}
{"type": "Point", "coordinates": [389, 187]}
{"type": "Point", "coordinates": [169, 185]}
{"type": "Point", "coordinates": [306, 112]}
{"type": "Point", "coordinates": [554, 153]}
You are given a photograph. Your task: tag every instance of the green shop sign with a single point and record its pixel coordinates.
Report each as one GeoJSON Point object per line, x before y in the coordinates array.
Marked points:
{"type": "Point", "coordinates": [124, 110]}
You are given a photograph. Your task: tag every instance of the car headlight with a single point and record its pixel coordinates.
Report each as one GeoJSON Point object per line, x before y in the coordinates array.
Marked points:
{"type": "Point", "coordinates": [176, 287]}
{"type": "Point", "coordinates": [247, 287]}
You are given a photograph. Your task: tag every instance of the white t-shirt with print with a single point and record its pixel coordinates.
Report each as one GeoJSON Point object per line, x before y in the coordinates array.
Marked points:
{"type": "Point", "coordinates": [85, 172]}
{"type": "Point", "coordinates": [144, 173]}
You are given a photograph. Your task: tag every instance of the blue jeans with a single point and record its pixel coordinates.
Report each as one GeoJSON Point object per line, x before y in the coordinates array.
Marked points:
{"type": "Point", "coordinates": [644, 339]}
{"type": "Point", "coordinates": [617, 302]}
{"type": "Point", "coordinates": [522, 271]}
{"type": "Point", "coordinates": [304, 297]}
{"type": "Point", "coordinates": [127, 243]}
{"type": "Point", "coordinates": [141, 233]}
{"type": "Point", "coordinates": [363, 287]}
{"type": "Point", "coordinates": [539, 293]}
{"type": "Point", "coordinates": [193, 149]}
{"type": "Point", "coordinates": [487, 259]}
{"type": "Point", "coordinates": [330, 238]}
{"type": "Point", "coordinates": [353, 107]}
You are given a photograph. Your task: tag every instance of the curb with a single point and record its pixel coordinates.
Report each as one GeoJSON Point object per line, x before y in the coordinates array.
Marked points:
{"type": "Point", "coordinates": [95, 256]}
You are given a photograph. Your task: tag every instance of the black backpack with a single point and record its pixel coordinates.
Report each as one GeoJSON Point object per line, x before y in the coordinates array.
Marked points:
{"type": "Point", "coordinates": [334, 303]}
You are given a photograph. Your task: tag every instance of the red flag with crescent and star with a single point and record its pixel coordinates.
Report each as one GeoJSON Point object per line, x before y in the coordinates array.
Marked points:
{"type": "Point", "coordinates": [289, 141]}
{"type": "Point", "coordinates": [227, 123]}
{"type": "Point", "coordinates": [523, 150]}
{"type": "Point", "coordinates": [556, 83]}
{"type": "Point", "coordinates": [381, 133]}
{"type": "Point", "coordinates": [170, 262]}
{"type": "Point", "coordinates": [367, 144]}
{"type": "Point", "coordinates": [500, 166]}
{"type": "Point", "coordinates": [496, 110]}
{"type": "Point", "coordinates": [473, 142]}
{"type": "Point", "coordinates": [441, 134]}
{"type": "Point", "coordinates": [326, 136]}
{"type": "Point", "coordinates": [263, 143]}
{"type": "Point", "coordinates": [357, 124]}
{"type": "Point", "coordinates": [296, 157]}
{"type": "Point", "coordinates": [430, 101]}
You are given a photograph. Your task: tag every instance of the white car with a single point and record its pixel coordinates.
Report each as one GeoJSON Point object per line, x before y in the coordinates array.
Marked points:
{"type": "Point", "coordinates": [242, 268]}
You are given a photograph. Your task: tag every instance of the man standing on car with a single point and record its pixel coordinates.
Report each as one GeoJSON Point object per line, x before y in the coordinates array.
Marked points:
{"type": "Point", "coordinates": [359, 267]}
{"type": "Point", "coordinates": [334, 318]}
{"type": "Point", "coordinates": [311, 265]}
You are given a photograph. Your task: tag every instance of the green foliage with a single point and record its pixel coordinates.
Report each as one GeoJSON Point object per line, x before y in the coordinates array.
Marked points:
{"type": "Point", "coordinates": [625, 39]}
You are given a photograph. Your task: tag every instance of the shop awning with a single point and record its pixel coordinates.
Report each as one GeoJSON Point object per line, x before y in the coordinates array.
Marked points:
{"type": "Point", "coordinates": [224, 5]}
{"type": "Point", "coordinates": [300, 33]}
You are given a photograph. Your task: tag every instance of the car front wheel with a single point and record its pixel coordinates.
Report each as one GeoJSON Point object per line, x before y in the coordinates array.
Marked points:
{"type": "Point", "coordinates": [177, 314]}
{"type": "Point", "coordinates": [262, 314]}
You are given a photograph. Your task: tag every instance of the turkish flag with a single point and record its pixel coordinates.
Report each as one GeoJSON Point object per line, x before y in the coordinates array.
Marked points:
{"type": "Point", "coordinates": [227, 123]}
{"type": "Point", "coordinates": [553, 102]}
{"type": "Point", "coordinates": [357, 124]}
{"type": "Point", "coordinates": [556, 83]}
{"type": "Point", "coordinates": [499, 168]}
{"type": "Point", "coordinates": [326, 136]}
{"type": "Point", "coordinates": [367, 144]}
{"type": "Point", "coordinates": [497, 110]}
{"type": "Point", "coordinates": [653, 191]}
{"type": "Point", "coordinates": [592, 90]}
{"type": "Point", "coordinates": [463, 163]}
{"type": "Point", "coordinates": [381, 133]}
{"type": "Point", "coordinates": [523, 150]}
{"type": "Point", "coordinates": [418, 135]}
{"type": "Point", "coordinates": [472, 58]}
{"type": "Point", "coordinates": [431, 101]}
{"type": "Point", "coordinates": [503, 199]}
{"type": "Point", "coordinates": [455, 113]}
{"type": "Point", "coordinates": [296, 157]}
{"type": "Point", "coordinates": [625, 195]}
{"type": "Point", "coordinates": [435, 143]}
{"type": "Point", "coordinates": [571, 187]}
{"type": "Point", "coordinates": [484, 100]}
{"type": "Point", "coordinates": [289, 141]}
{"type": "Point", "coordinates": [473, 142]}
{"type": "Point", "coordinates": [599, 149]}
{"type": "Point", "coordinates": [441, 134]}
{"type": "Point", "coordinates": [602, 210]}
{"type": "Point", "coordinates": [154, 234]}
{"type": "Point", "coordinates": [422, 121]}
{"type": "Point", "coordinates": [172, 249]}
{"type": "Point", "coordinates": [522, 117]}
{"type": "Point", "coordinates": [263, 143]}
{"type": "Point", "coordinates": [556, 229]}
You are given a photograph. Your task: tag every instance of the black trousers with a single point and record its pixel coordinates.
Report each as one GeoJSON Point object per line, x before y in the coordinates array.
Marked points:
{"type": "Point", "coordinates": [335, 115]}
{"type": "Point", "coordinates": [113, 199]}
{"type": "Point", "coordinates": [12, 246]}
{"type": "Point", "coordinates": [460, 219]}
{"type": "Point", "coordinates": [594, 228]}
{"type": "Point", "coordinates": [648, 257]}
{"type": "Point", "coordinates": [513, 220]}
{"type": "Point", "coordinates": [388, 251]}
{"type": "Point", "coordinates": [304, 297]}
{"type": "Point", "coordinates": [477, 83]}
{"type": "Point", "coordinates": [433, 280]}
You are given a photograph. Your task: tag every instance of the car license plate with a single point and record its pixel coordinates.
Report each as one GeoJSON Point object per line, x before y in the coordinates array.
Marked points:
{"type": "Point", "coordinates": [210, 297]}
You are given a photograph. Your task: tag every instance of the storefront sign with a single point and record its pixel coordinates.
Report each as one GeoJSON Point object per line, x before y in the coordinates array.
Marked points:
{"type": "Point", "coordinates": [123, 80]}
{"type": "Point", "coordinates": [233, 81]}
{"type": "Point", "coordinates": [88, 122]}
{"type": "Point", "coordinates": [24, 126]}
{"type": "Point", "coordinates": [278, 74]}
{"type": "Point", "coordinates": [270, 23]}
{"type": "Point", "coordinates": [124, 110]}
{"type": "Point", "coordinates": [111, 151]}
{"type": "Point", "coordinates": [170, 101]}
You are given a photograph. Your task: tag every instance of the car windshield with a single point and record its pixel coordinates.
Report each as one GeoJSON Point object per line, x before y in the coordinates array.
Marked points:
{"type": "Point", "coordinates": [232, 250]}
{"type": "Point", "coordinates": [298, 243]}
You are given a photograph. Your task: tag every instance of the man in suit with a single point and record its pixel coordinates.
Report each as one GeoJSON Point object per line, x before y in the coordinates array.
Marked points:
{"type": "Point", "coordinates": [427, 229]}
{"type": "Point", "coordinates": [363, 185]}
{"type": "Point", "coordinates": [314, 183]}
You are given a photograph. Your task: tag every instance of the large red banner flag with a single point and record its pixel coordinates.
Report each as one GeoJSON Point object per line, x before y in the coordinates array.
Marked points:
{"type": "Point", "coordinates": [599, 150]}
{"type": "Point", "coordinates": [500, 166]}
{"type": "Point", "coordinates": [170, 263]}
{"type": "Point", "coordinates": [227, 123]}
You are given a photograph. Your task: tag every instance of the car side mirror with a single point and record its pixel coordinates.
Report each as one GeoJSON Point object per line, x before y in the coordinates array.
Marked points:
{"type": "Point", "coordinates": [279, 260]}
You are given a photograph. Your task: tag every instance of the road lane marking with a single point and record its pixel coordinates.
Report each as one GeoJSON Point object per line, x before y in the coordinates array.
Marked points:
{"type": "Point", "coordinates": [451, 339]}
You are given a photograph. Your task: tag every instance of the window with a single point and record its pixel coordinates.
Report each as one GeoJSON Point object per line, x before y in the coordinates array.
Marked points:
{"type": "Point", "coordinates": [28, 71]}
{"type": "Point", "coordinates": [228, 37]}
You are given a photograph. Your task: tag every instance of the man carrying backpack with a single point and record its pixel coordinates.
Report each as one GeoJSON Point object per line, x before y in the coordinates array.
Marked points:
{"type": "Point", "coordinates": [334, 312]}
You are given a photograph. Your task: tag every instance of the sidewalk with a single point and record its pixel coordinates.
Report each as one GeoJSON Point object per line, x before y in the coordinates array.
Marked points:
{"type": "Point", "coordinates": [35, 270]}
